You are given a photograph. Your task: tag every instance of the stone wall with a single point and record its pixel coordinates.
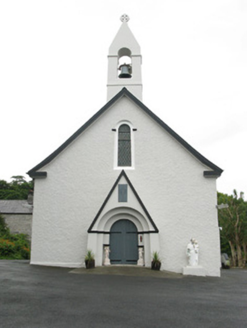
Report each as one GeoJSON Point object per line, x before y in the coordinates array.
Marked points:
{"type": "Point", "coordinates": [19, 223]}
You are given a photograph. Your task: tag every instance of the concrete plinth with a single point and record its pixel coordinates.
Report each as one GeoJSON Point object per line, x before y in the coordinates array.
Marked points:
{"type": "Point", "coordinates": [194, 271]}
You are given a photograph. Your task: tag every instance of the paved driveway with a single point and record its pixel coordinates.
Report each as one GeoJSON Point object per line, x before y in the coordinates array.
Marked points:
{"type": "Point", "coordinates": [32, 296]}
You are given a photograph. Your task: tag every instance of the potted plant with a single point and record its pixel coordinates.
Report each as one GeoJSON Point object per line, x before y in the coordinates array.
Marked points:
{"type": "Point", "coordinates": [89, 260]}
{"type": "Point", "coordinates": [156, 263]}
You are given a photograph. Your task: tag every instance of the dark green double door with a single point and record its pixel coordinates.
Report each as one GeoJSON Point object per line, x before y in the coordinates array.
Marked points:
{"type": "Point", "coordinates": [123, 243]}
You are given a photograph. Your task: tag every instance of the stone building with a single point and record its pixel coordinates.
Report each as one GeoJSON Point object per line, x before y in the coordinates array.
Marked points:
{"type": "Point", "coordinates": [17, 215]}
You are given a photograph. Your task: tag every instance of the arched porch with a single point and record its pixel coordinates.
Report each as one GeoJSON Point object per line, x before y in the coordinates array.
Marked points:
{"type": "Point", "coordinates": [99, 236]}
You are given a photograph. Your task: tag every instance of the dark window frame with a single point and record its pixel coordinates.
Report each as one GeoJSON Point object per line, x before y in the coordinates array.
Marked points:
{"type": "Point", "coordinates": [124, 146]}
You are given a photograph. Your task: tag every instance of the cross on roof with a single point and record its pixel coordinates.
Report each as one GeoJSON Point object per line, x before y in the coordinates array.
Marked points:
{"type": "Point", "coordinates": [124, 18]}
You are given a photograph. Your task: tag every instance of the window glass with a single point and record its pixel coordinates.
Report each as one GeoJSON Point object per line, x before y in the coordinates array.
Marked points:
{"type": "Point", "coordinates": [122, 193]}
{"type": "Point", "coordinates": [124, 145]}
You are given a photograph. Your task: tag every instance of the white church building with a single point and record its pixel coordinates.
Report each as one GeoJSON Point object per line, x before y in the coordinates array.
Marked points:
{"type": "Point", "coordinates": [125, 183]}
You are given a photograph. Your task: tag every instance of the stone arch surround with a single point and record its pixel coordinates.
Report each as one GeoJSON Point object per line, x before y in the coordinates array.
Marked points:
{"type": "Point", "coordinates": [109, 218]}
{"type": "Point", "coordinates": [100, 234]}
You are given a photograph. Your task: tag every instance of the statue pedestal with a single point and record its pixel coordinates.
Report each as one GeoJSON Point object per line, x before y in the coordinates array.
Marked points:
{"type": "Point", "coordinates": [107, 262]}
{"type": "Point", "coordinates": [196, 270]}
{"type": "Point", "coordinates": [140, 262]}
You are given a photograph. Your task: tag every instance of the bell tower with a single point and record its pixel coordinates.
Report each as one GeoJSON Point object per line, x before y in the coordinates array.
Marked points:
{"type": "Point", "coordinates": [124, 63]}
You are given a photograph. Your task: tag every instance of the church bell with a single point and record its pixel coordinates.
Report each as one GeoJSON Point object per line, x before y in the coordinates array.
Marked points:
{"type": "Point", "coordinates": [125, 71]}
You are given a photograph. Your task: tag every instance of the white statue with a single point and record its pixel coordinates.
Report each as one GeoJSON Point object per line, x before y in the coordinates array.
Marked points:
{"type": "Point", "coordinates": [196, 252]}
{"type": "Point", "coordinates": [193, 252]}
{"type": "Point", "coordinates": [140, 260]}
{"type": "Point", "coordinates": [107, 254]}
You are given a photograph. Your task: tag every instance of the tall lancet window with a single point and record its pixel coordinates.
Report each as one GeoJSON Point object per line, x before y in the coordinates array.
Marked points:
{"type": "Point", "coordinates": [124, 145]}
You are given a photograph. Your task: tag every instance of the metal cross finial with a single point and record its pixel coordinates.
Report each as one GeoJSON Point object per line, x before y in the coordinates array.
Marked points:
{"type": "Point", "coordinates": [124, 18]}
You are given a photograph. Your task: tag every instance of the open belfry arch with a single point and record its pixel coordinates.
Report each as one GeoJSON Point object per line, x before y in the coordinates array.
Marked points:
{"type": "Point", "coordinates": [125, 184]}
{"type": "Point", "coordinates": [126, 72]}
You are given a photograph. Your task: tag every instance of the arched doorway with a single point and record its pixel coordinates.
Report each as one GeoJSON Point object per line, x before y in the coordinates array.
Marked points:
{"type": "Point", "coordinates": [123, 243]}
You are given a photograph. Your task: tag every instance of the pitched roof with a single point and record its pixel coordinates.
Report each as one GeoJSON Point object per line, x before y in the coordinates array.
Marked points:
{"type": "Point", "coordinates": [123, 174]}
{"type": "Point", "coordinates": [15, 207]}
{"type": "Point", "coordinates": [214, 172]}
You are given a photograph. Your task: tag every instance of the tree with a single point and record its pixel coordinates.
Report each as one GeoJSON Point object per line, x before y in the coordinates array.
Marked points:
{"type": "Point", "coordinates": [233, 221]}
{"type": "Point", "coordinates": [18, 188]}
{"type": "Point", "coordinates": [18, 179]}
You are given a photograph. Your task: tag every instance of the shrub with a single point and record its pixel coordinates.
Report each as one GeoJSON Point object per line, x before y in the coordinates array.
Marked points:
{"type": "Point", "coordinates": [13, 246]}
{"type": "Point", "coordinates": [4, 230]}
{"type": "Point", "coordinates": [14, 250]}
{"type": "Point", "coordinates": [89, 256]}
{"type": "Point", "coordinates": [7, 248]}
{"type": "Point", "coordinates": [156, 257]}
{"type": "Point", "coordinates": [25, 253]}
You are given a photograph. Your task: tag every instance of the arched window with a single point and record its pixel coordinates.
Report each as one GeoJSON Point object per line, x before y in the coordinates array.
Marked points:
{"type": "Point", "coordinates": [124, 145]}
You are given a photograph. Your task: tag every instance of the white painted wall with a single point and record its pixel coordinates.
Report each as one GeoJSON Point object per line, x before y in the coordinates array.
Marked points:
{"type": "Point", "coordinates": [167, 177]}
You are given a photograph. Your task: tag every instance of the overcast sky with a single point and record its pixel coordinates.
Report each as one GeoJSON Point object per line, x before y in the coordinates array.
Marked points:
{"type": "Point", "coordinates": [53, 74]}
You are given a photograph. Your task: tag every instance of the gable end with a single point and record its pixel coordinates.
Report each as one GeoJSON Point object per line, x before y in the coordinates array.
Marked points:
{"type": "Point", "coordinates": [136, 195]}
{"type": "Point", "coordinates": [216, 171]}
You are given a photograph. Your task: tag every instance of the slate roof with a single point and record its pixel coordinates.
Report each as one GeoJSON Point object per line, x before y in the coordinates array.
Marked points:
{"type": "Point", "coordinates": [15, 207]}
{"type": "Point", "coordinates": [214, 172]}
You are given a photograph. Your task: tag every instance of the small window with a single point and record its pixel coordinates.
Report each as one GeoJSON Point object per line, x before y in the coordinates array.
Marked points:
{"type": "Point", "coordinates": [122, 193]}
{"type": "Point", "coordinates": [124, 145]}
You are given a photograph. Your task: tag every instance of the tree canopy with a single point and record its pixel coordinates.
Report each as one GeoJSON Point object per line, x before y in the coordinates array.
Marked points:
{"type": "Point", "coordinates": [233, 221]}
{"type": "Point", "coordinates": [18, 188]}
